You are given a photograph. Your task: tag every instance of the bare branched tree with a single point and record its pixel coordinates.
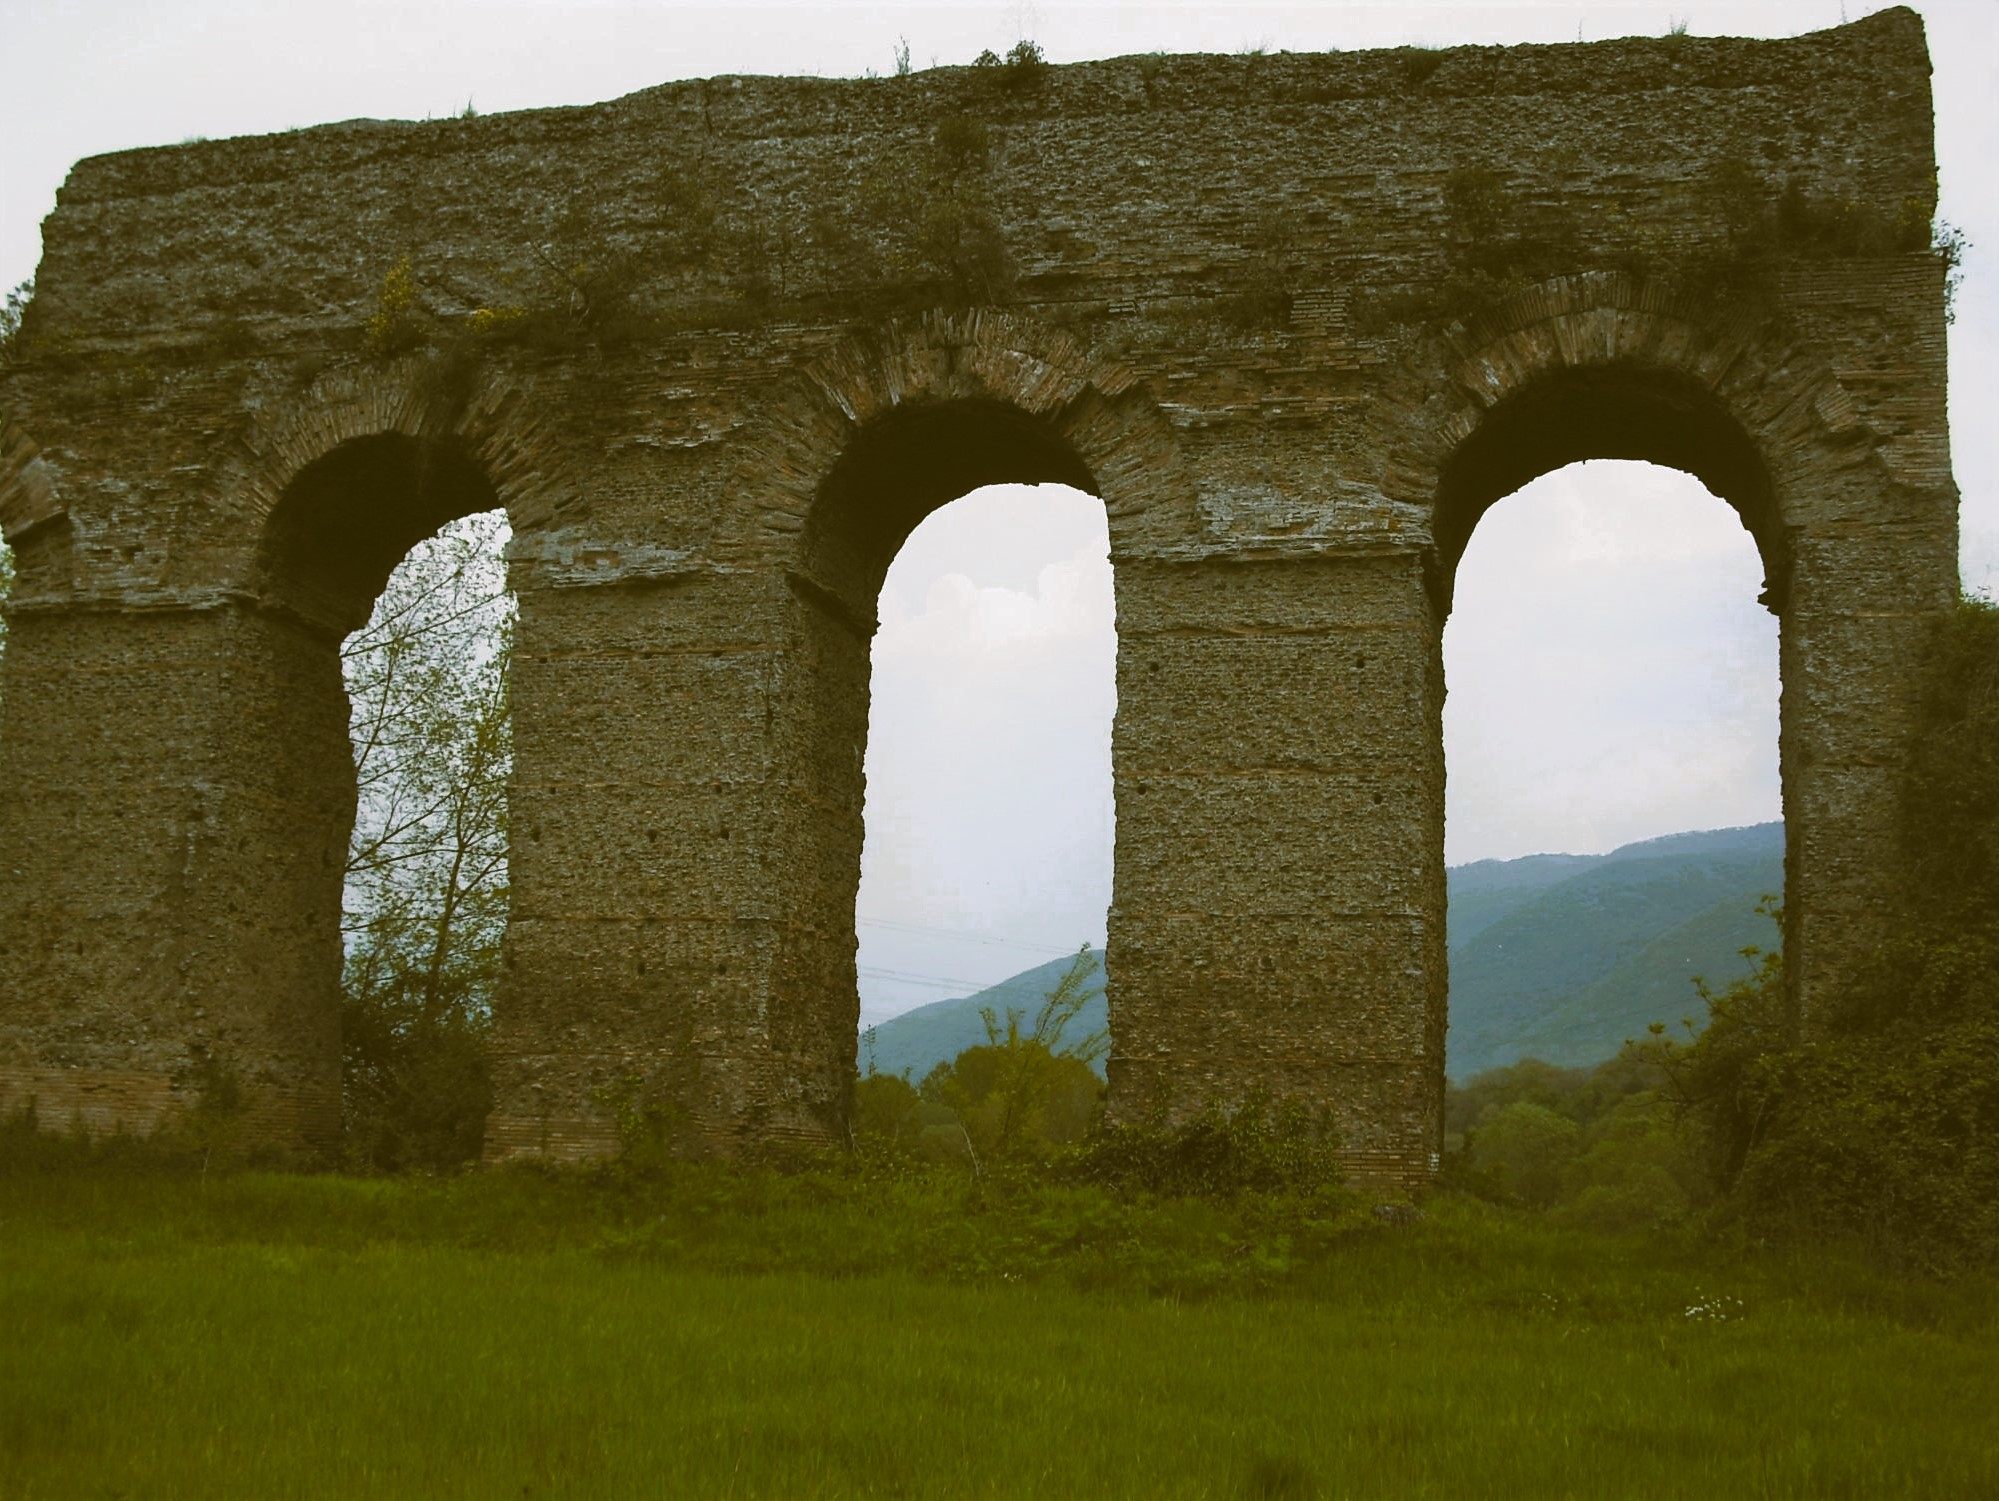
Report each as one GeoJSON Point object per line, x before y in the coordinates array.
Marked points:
{"type": "Point", "coordinates": [426, 889]}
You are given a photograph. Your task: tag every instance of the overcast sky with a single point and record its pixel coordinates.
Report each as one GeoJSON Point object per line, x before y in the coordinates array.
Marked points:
{"type": "Point", "coordinates": [1610, 675]}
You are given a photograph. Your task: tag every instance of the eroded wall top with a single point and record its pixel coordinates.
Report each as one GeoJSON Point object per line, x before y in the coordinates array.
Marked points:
{"type": "Point", "coordinates": [1161, 182]}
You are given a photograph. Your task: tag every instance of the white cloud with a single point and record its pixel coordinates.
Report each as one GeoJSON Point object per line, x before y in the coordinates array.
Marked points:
{"type": "Point", "coordinates": [1610, 674]}
{"type": "Point", "coordinates": [988, 763]}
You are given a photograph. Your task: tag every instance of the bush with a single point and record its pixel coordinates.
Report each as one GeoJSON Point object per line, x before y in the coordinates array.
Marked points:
{"type": "Point", "coordinates": [415, 1083]}
{"type": "Point", "coordinates": [1525, 1151]}
{"type": "Point", "coordinates": [1216, 1154]}
{"type": "Point", "coordinates": [1021, 1094]}
{"type": "Point", "coordinates": [1881, 1120]}
{"type": "Point", "coordinates": [1634, 1171]}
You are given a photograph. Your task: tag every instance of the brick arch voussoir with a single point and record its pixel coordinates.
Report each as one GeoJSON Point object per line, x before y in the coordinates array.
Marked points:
{"type": "Point", "coordinates": [1096, 406]}
{"type": "Point", "coordinates": [1782, 393]}
{"type": "Point", "coordinates": [494, 420]}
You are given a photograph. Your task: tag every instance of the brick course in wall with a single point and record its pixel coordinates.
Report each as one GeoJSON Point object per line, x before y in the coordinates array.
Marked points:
{"type": "Point", "coordinates": [718, 346]}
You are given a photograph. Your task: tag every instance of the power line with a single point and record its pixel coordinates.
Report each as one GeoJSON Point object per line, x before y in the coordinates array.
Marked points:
{"type": "Point", "coordinates": [961, 936]}
{"type": "Point", "coordinates": [934, 982]}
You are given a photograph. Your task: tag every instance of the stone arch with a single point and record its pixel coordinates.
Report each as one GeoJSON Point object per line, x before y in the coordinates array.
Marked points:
{"type": "Point", "coordinates": [867, 440]}
{"type": "Point", "coordinates": [436, 411]}
{"type": "Point", "coordinates": [943, 378]}
{"type": "Point", "coordinates": [1605, 365]}
{"type": "Point", "coordinates": [329, 493]}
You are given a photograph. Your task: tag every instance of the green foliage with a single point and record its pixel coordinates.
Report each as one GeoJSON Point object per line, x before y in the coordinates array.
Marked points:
{"type": "Point", "coordinates": [13, 313]}
{"type": "Point", "coordinates": [1497, 244]}
{"type": "Point", "coordinates": [1417, 64]}
{"type": "Point", "coordinates": [1766, 226]}
{"type": "Point", "coordinates": [1884, 1120]}
{"type": "Point", "coordinates": [1023, 1094]}
{"type": "Point", "coordinates": [1881, 1119]}
{"type": "Point", "coordinates": [1600, 1148]}
{"type": "Point", "coordinates": [1527, 1149]}
{"type": "Point", "coordinates": [1022, 71]}
{"type": "Point", "coordinates": [650, 1125]}
{"type": "Point", "coordinates": [415, 1084]}
{"type": "Point", "coordinates": [886, 1113]}
{"type": "Point", "coordinates": [962, 143]}
{"type": "Point", "coordinates": [213, 1128]}
{"type": "Point", "coordinates": [1217, 1154]}
{"type": "Point", "coordinates": [1633, 1170]}
{"type": "Point", "coordinates": [937, 219]}
{"type": "Point", "coordinates": [398, 322]}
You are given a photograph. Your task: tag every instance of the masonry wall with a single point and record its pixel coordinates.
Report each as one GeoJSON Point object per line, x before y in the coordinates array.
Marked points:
{"type": "Point", "coordinates": [717, 346]}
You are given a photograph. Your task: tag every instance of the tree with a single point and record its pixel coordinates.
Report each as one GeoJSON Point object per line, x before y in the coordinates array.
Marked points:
{"type": "Point", "coordinates": [426, 890]}
{"type": "Point", "coordinates": [13, 312]}
{"type": "Point", "coordinates": [1022, 1092]}
{"type": "Point", "coordinates": [1527, 1149]}
{"type": "Point", "coordinates": [1880, 1120]}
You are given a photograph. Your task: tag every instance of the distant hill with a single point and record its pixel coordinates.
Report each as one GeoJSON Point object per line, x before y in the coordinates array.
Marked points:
{"type": "Point", "coordinates": [917, 1041]}
{"type": "Point", "coordinates": [1565, 962]}
{"type": "Point", "coordinates": [1559, 957]}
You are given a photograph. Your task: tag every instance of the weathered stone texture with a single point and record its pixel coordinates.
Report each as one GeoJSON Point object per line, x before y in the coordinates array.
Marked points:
{"type": "Point", "coordinates": [1223, 316]}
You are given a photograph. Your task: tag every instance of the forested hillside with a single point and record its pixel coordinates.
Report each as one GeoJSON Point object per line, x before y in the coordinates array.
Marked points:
{"type": "Point", "coordinates": [1560, 957]}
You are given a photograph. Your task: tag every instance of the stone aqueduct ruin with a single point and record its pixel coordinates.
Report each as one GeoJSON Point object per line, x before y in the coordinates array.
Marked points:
{"type": "Point", "coordinates": [1297, 320]}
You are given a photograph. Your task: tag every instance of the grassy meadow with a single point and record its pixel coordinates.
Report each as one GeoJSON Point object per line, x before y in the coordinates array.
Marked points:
{"type": "Point", "coordinates": [843, 1332]}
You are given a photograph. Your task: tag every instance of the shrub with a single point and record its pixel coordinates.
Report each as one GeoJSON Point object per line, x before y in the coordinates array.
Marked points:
{"type": "Point", "coordinates": [1216, 1154]}
{"type": "Point", "coordinates": [1633, 1172]}
{"type": "Point", "coordinates": [1881, 1121]}
{"type": "Point", "coordinates": [397, 322]}
{"type": "Point", "coordinates": [415, 1083]}
{"type": "Point", "coordinates": [1022, 1093]}
{"type": "Point", "coordinates": [1525, 1150]}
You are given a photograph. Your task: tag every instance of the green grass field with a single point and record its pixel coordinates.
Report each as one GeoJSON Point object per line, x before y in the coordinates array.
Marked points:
{"type": "Point", "coordinates": [168, 1334]}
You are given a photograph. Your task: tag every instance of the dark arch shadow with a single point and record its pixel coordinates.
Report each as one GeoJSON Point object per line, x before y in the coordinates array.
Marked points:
{"type": "Point", "coordinates": [900, 468]}
{"type": "Point", "coordinates": [349, 517]}
{"type": "Point", "coordinates": [1607, 412]}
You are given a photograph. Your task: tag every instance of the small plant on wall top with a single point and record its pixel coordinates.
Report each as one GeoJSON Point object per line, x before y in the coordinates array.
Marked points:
{"type": "Point", "coordinates": [1022, 71]}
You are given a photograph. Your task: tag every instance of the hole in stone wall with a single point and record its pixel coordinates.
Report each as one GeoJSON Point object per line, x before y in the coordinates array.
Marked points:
{"type": "Point", "coordinates": [426, 885]}
{"type": "Point", "coordinates": [988, 817]}
{"type": "Point", "coordinates": [1612, 681]}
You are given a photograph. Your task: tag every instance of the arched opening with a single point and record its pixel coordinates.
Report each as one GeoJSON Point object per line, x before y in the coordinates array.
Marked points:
{"type": "Point", "coordinates": [1614, 809]}
{"type": "Point", "coordinates": [384, 580]}
{"type": "Point", "coordinates": [962, 556]}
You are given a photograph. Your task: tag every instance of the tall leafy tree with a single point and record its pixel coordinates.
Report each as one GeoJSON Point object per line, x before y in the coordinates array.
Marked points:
{"type": "Point", "coordinates": [426, 888]}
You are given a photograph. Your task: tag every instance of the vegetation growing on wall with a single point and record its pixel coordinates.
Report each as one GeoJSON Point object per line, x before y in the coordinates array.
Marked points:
{"type": "Point", "coordinates": [1497, 243]}
{"type": "Point", "coordinates": [1882, 1120]}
